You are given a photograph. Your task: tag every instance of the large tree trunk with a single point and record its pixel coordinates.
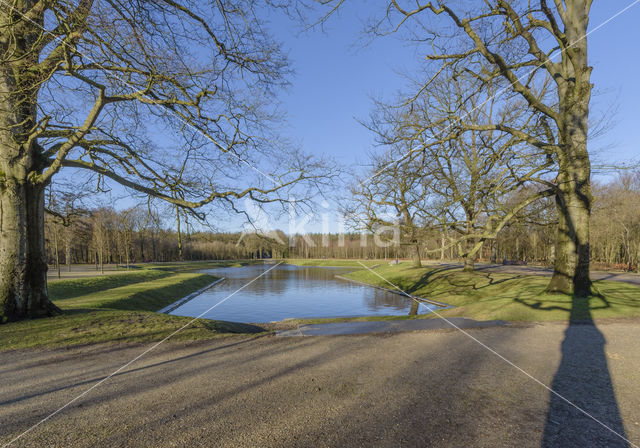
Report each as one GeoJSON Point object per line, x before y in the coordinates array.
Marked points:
{"type": "Point", "coordinates": [470, 251]}
{"type": "Point", "coordinates": [415, 255]}
{"type": "Point", "coordinates": [469, 264]}
{"type": "Point", "coordinates": [23, 267]}
{"type": "Point", "coordinates": [571, 271]}
{"type": "Point", "coordinates": [415, 306]}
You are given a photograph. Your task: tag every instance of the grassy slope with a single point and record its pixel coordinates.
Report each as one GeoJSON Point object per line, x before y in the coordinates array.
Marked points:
{"type": "Point", "coordinates": [331, 262]}
{"type": "Point", "coordinates": [483, 295]}
{"type": "Point", "coordinates": [195, 265]}
{"type": "Point", "coordinates": [117, 308]}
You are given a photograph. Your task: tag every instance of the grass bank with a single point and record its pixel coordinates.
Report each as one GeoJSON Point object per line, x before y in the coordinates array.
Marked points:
{"type": "Point", "coordinates": [337, 263]}
{"type": "Point", "coordinates": [119, 308]}
{"type": "Point", "coordinates": [489, 295]}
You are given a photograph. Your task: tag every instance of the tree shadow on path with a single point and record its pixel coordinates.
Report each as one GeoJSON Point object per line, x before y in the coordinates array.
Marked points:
{"type": "Point", "coordinates": [583, 379]}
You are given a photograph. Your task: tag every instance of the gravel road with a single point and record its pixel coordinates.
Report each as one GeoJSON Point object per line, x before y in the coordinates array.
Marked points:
{"type": "Point", "coordinates": [616, 276]}
{"type": "Point", "coordinates": [437, 388]}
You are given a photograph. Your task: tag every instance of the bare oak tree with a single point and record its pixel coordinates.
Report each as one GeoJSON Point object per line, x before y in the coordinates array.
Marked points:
{"type": "Point", "coordinates": [525, 45]}
{"type": "Point", "coordinates": [394, 194]}
{"type": "Point", "coordinates": [169, 98]}
{"type": "Point", "coordinates": [467, 173]}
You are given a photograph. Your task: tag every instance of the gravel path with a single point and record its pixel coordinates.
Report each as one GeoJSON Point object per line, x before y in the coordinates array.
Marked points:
{"type": "Point", "coordinates": [625, 277]}
{"type": "Point", "coordinates": [434, 388]}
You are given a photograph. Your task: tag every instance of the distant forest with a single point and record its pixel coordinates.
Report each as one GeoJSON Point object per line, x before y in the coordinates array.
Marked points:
{"type": "Point", "coordinates": [106, 236]}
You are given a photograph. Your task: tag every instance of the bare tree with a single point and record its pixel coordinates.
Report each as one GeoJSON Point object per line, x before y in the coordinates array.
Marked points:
{"type": "Point", "coordinates": [526, 45]}
{"type": "Point", "coordinates": [467, 172]}
{"type": "Point", "coordinates": [395, 196]}
{"type": "Point", "coordinates": [170, 98]}
{"type": "Point", "coordinates": [616, 221]}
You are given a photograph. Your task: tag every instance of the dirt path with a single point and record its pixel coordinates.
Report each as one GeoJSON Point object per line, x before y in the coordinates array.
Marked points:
{"type": "Point", "coordinates": [426, 388]}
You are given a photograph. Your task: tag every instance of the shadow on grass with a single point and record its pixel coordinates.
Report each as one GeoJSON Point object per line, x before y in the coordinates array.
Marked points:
{"type": "Point", "coordinates": [142, 299]}
{"type": "Point", "coordinates": [582, 381]}
{"type": "Point", "coordinates": [196, 265]}
{"type": "Point", "coordinates": [69, 289]}
{"type": "Point", "coordinates": [454, 283]}
{"type": "Point", "coordinates": [428, 277]}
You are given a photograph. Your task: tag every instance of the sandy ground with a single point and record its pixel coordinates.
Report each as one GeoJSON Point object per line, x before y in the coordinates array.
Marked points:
{"type": "Point", "coordinates": [425, 388]}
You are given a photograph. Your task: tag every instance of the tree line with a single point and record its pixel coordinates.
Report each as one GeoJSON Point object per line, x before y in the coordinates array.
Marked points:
{"type": "Point", "coordinates": [107, 236]}
{"type": "Point", "coordinates": [176, 101]}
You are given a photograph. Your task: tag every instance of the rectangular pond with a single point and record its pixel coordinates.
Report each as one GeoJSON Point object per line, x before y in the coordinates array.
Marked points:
{"type": "Point", "coordinates": [293, 292]}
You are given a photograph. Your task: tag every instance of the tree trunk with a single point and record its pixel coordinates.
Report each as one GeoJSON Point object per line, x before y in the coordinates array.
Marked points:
{"type": "Point", "coordinates": [179, 234]}
{"type": "Point", "coordinates": [56, 248]}
{"type": "Point", "coordinates": [469, 264]}
{"type": "Point", "coordinates": [415, 255]}
{"type": "Point", "coordinates": [67, 246]}
{"type": "Point", "coordinates": [571, 270]}
{"type": "Point", "coordinates": [23, 265]}
{"type": "Point", "coordinates": [415, 306]}
{"type": "Point", "coordinates": [142, 257]}
{"type": "Point", "coordinates": [469, 254]}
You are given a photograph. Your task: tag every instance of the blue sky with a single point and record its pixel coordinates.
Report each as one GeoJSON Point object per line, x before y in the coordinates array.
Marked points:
{"type": "Point", "coordinates": [336, 77]}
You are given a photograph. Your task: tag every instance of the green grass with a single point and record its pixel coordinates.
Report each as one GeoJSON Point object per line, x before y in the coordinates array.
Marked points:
{"type": "Point", "coordinates": [484, 296]}
{"type": "Point", "coordinates": [331, 262]}
{"type": "Point", "coordinates": [141, 296]}
{"type": "Point", "coordinates": [196, 265]}
{"type": "Point", "coordinates": [80, 328]}
{"type": "Point", "coordinates": [119, 308]}
{"type": "Point", "coordinates": [68, 289]}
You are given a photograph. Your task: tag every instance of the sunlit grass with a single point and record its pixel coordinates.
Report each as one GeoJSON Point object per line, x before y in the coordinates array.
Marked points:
{"type": "Point", "coordinates": [118, 308]}
{"type": "Point", "coordinates": [99, 326]}
{"type": "Point", "coordinates": [488, 295]}
{"type": "Point", "coordinates": [331, 262]}
{"type": "Point", "coordinates": [67, 289]}
{"type": "Point", "coordinates": [197, 265]}
{"type": "Point", "coordinates": [141, 296]}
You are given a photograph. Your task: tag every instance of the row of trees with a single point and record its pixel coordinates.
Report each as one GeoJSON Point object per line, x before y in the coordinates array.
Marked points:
{"type": "Point", "coordinates": [175, 100]}
{"type": "Point", "coordinates": [170, 99]}
{"type": "Point", "coordinates": [134, 235]}
{"type": "Point", "coordinates": [496, 122]}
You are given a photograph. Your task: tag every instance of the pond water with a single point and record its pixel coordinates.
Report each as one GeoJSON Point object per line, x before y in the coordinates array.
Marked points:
{"type": "Point", "coordinates": [293, 292]}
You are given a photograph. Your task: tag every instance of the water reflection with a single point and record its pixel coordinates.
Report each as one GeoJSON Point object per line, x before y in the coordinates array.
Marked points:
{"type": "Point", "coordinates": [293, 291]}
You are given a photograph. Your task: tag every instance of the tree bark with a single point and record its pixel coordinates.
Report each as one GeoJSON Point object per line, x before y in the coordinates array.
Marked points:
{"type": "Point", "coordinates": [571, 270]}
{"type": "Point", "coordinates": [415, 306]}
{"type": "Point", "coordinates": [23, 266]}
{"type": "Point", "coordinates": [415, 255]}
{"type": "Point", "coordinates": [67, 245]}
{"type": "Point", "coordinates": [469, 264]}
